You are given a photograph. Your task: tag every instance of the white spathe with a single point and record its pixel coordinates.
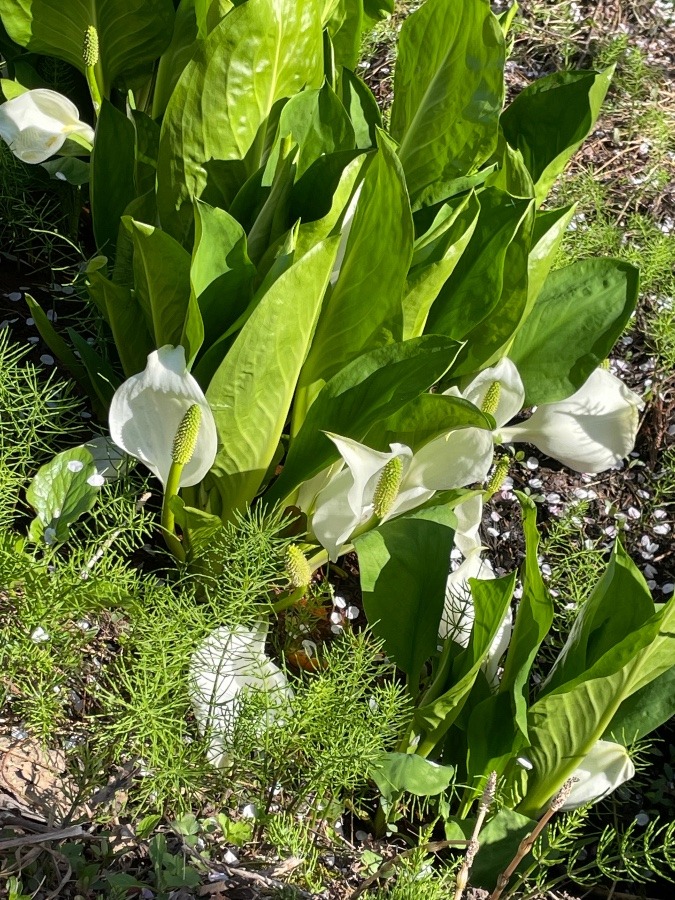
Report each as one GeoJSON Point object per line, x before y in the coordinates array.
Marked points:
{"type": "Point", "coordinates": [227, 666]}
{"type": "Point", "coordinates": [37, 123]}
{"type": "Point", "coordinates": [147, 409]}
{"type": "Point", "coordinates": [346, 502]}
{"type": "Point", "coordinates": [603, 769]}
{"type": "Point", "coordinates": [459, 613]}
{"type": "Point", "coordinates": [590, 431]}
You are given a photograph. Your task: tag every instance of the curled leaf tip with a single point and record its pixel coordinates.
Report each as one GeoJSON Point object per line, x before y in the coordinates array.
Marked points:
{"type": "Point", "coordinates": [388, 486]}
{"type": "Point", "coordinates": [185, 441]}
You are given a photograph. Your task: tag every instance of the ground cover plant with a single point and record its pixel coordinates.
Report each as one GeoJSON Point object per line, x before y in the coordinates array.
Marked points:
{"type": "Point", "coordinates": [316, 330]}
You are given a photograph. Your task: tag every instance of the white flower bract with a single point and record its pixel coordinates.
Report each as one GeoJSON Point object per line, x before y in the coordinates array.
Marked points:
{"type": "Point", "coordinates": [603, 769]}
{"type": "Point", "coordinates": [37, 123]}
{"type": "Point", "coordinates": [229, 664]}
{"type": "Point", "coordinates": [147, 409]}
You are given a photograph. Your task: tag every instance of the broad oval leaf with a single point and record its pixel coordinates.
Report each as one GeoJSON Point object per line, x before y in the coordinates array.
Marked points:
{"type": "Point", "coordinates": [252, 390]}
{"type": "Point", "coordinates": [261, 52]}
{"type": "Point", "coordinates": [574, 323]}
{"type": "Point", "coordinates": [448, 90]}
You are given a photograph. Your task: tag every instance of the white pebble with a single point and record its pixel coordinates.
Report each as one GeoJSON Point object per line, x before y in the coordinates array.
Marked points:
{"type": "Point", "coordinates": [660, 514]}
{"type": "Point", "coordinates": [336, 629]}
{"type": "Point", "coordinates": [75, 465]}
{"type": "Point", "coordinates": [532, 462]}
{"type": "Point", "coordinates": [339, 601]}
{"type": "Point", "coordinates": [352, 612]}
{"type": "Point", "coordinates": [336, 618]}
{"type": "Point", "coordinates": [51, 315]}
{"type": "Point", "coordinates": [230, 858]}
{"type": "Point", "coordinates": [668, 587]}
{"type": "Point", "coordinates": [249, 811]}
{"type": "Point", "coordinates": [39, 635]}
{"type": "Point", "coordinates": [14, 296]}
{"type": "Point", "coordinates": [642, 818]}
{"type": "Point", "coordinates": [47, 359]}
{"type": "Point", "coordinates": [633, 512]}
{"type": "Point", "coordinates": [525, 763]}
{"type": "Point", "coordinates": [30, 321]}
{"type": "Point", "coordinates": [96, 480]}
{"type": "Point", "coordinates": [662, 529]}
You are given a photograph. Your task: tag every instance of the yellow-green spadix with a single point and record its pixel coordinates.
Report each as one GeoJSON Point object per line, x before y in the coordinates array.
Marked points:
{"type": "Point", "coordinates": [148, 410]}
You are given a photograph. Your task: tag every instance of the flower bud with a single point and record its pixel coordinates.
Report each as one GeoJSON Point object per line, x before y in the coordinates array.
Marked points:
{"type": "Point", "coordinates": [185, 440]}
{"type": "Point", "coordinates": [498, 476]}
{"type": "Point", "coordinates": [298, 569]}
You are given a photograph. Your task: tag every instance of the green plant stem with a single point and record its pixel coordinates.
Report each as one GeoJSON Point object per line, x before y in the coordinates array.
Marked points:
{"type": "Point", "coordinates": [290, 600]}
{"type": "Point", "coordinates": [168, 520]}
{"type": "Point", "coordinates": [94, 90]}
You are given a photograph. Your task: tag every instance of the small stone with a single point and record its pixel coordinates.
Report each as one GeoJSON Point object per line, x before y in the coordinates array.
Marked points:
{"type": "Point", "coordinates": [14, 296]}
{"type": "Point", "coordinates": [553, 498]}
{"type": "Point", "coordinates": [525, 763]}
{"type": "Point", "coordinates": [336, 629]}
{"type": "Point", "coordinates": [352, 612]}
{"type": "Point", "coordinates": [39, 635]}
{"type": "Point", "coordinates": [33, 340]}
{"type": "Point", "coordinates": [532, 462]}
{"type": "Point", "coordinates": [75, 465]}
{"type": "Point", "coordinates": [47, 359]}
{"type": "Point", "coordinates": [668, 587]}
{"type": "Point", "coordinates": [51, 315]}
{"type": "Point", "coordinates": [339, 602]}
{"type": "Point", "coordinates": [535, 483]}
{"type": "Point", "coordinates": [633, 512]}
{"type": "Point", "coordinates": [659, 514]}
{"type": "Point", "coordinates": [30, 321]}
{"type": "Point", "coordinates": [664, 528]}
{"type": "Point", "coordinates": [230, 858]}
{"type": "Point", "coordinates": [336, 618]}
{"type": "Point", "coordinates": [642, 818]}
{"type": "Point", "coordinates": [361, 835]}
{"type": "Point", "coordinates": [96, 480]}
{"type": "Point", "coordinates": [249, 811]}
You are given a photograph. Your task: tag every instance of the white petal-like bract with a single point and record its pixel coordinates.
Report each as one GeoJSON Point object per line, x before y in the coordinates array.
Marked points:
{"type": "Point", "coordinates": [147, 409]}
{"type": "Point", "coordinates": [36, 124]}
{"type": "Point", "coordinates": [602, 770]}
{"type": "Point", "coordinates": [590, 431]}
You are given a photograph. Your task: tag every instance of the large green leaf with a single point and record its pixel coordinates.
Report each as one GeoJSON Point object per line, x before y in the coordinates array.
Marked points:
{"type": "Point", "coordinates": [221, 273]}
{"type": "Point", "coordinates": [644, 711]}
{"type": "Point", "coordinates": [435, 256]}
{"type": "Point", "coordinates": [366, 390]}
{"type": "Point", "coordinates": [498, 725]}
{"type": "Point", "coordinates": [252, 390]}
{"type": "Point", "coordinates": [112, 175]}
{"type": "Point", "coordinates": [131, 33]}
{"type": "Point", "coordinates": [162, 279]}
{"type": "Point", "coordinates": [126, 320]}
{"type": "Point", "coordinates": [363, 309]}
{"type": "Point", "coordinates": [261, 52]}
{"type": "Point", "coordinates": [394, 773]}
{"type": "Point", "coordinates": [499, 841]}
{"type": "Point", "coordinates": [448, 90]}
{"type": "Point", "coordinates": [618, 606]}
{"type": "Point", "coordinates": [550, 119]}
{"type": "Point", "coordinates": [345, 28]}
{"type": "Point", "coordinates": [444, 700]}
{"type": "Point", "coordinates": [576, 320]}
{"type": "Point", "coordinates": [478, 281]}
{"type": "Point", "coordinates": [564, 724]}
{"type": "Point", "coordinates": [362, 108]}
{"type": "Point", "coordinates": [424, 418]}
{"type": "Point", "coordinates": [317, 123]}
{"type": "Point", "coordinates": [176, 56]}
{"type": "Point", "coordinates": [404, 569]}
